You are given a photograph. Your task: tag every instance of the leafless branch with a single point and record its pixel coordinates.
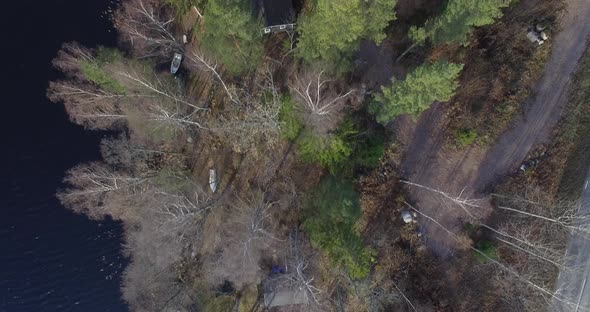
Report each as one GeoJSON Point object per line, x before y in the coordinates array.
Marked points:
{"type": "Point", "coordinates": [405, 298]}
{"type": "Point", "coordinates": [147, 31]}
{"type": "Point", "coordinates": [201, 61]}
{"type": "Point", "coordinates": [296, 270]}
{"type": "Point", "coordinates": [567, 301]}
{"type": "Point", "coordinates": [314, 95]}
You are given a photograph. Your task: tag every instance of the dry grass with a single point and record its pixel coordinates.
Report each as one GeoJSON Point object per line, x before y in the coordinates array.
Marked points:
{"type": "Point", "coordinates": [575, 128]}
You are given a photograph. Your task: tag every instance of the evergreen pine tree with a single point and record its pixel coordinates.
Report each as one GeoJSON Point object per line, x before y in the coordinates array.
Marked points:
{"type": "Point", "coordinates": [458, 19]}
{"type": "Point", "coordinates": [425, 85]}
{"type": "Point", "coordinates": [333, 31]}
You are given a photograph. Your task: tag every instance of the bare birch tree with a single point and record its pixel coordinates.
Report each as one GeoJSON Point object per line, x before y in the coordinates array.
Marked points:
{"type": "Point", "coordinates": [297, 274]}
{"type": "Point", "coordinates": [532, 240]}
{"type": "Point", "coordinates": [179, 209]}
{"type": "Point", "coordinates": [248, 235]}
{"type": "Point", "coordinates": [88, 105]}
{"type": "Point", "coordinates": [517, 237]}
{"type": "Point", "coordinates": [148, 30]}
{"type": "Point", "coordinates": [536, 204]}
{"type": "Point", "coordinates": [200, 61]}
{"type": "Point", "coordinates": [525, 278]}
{"type": "Point", "coordinates": [152, 281]}
{"type": "Point", "coordinates": [161, 213]}
{"type": "Point", "coordinates": [70, 56]}
{"type": "Point", "coordinates": [565, 212]}
{"type": "Point", "coordinates": [253, 120]}
{"type": "Point", "coordinates": [85, 101]}
{"type": "Point", "coordinates": [252, 116]}
{"type": "Point", "coordinates": [318, 98]}
{"type": "Point", "coordinates": [98, 94]}
{"type": "Point", "coordinates": [95, 189]}
{"type": "Point", "coordinates": [146, 83]}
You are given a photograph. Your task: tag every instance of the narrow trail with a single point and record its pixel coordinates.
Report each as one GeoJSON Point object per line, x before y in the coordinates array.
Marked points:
{"type": "Point", "coordinates": [474, 170]}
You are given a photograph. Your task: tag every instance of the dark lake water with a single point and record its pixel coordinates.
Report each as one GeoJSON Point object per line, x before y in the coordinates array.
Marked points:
{"type": "Point", "coordinates": [279, 12]}
{"type": "Point", "coordinates": [50, 258]}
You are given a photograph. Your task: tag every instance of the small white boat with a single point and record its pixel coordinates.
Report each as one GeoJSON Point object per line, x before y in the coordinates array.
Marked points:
{"type": "Point", "coordinates": [175, 63]}
{"type": "Point", "coordinates": [213, 180]}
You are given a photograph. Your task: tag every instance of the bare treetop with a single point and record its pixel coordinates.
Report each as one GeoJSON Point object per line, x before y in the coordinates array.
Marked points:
{"type": "Point", "coordinates": [94, 186]}
{"type": "Point", "coordinates": [69, 57]}
{"type": "Point", "coordinates": [247, 234]}
{"type": "Point", "coordinates": [144, 25]}
{"type": "Point", "coordinates": [103, 88]}
{"type": "Point", "coordinates": [319, 99]}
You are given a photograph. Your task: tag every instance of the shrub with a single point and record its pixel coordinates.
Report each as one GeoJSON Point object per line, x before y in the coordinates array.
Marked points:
{"type": "Point", "coordinates": [94, 70]}
{"type": "Point", "coordinates": [182, 7]}
{"type": "Point", "coordinates": [465, 137]}
{"type": "Point", "coordinates": [172, 180]}
{"type": "Point", "coordinates": [330, 216]}
{"type": "Point", "coordinates": [290, 124]}
{"type": "Point", "coordinates": [106, 55]}
{"type": "Point", "coordinates": [248, 299]}
{"type": "Point", "coordinates": [330, 153]}
{"type": "Point", "coordinates": [216, 303]}
{"type": "Point", "coordinates": [369, 150]}
{"type": "Point", "coordinates": [471, 229]}
{"type": "Point", "coordinates": [488, 249]}
{"type": "Point", "coordinates": [342, 150]}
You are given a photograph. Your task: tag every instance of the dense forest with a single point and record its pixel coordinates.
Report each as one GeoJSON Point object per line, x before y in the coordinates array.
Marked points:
{"type": "Point", "coordinates": [298, 170]}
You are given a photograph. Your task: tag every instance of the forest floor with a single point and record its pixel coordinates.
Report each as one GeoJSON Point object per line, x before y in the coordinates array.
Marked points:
{"type": "Point", "coordinates": [430, 162]}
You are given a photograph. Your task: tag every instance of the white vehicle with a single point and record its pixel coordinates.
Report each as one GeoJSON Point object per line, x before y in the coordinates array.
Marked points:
{"type": "Point", "coordinates": [409, 217]}
{"type": "Point", "coordinates": [175, 63]}
{"type": "Point", "coordinates": [537, 35]}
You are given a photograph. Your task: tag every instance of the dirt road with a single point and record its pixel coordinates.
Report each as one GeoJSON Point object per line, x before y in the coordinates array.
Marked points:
{"type": "Point", "coordinates": [473, 170]}
{"type": "Point", "coordinates": [550, 97]}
